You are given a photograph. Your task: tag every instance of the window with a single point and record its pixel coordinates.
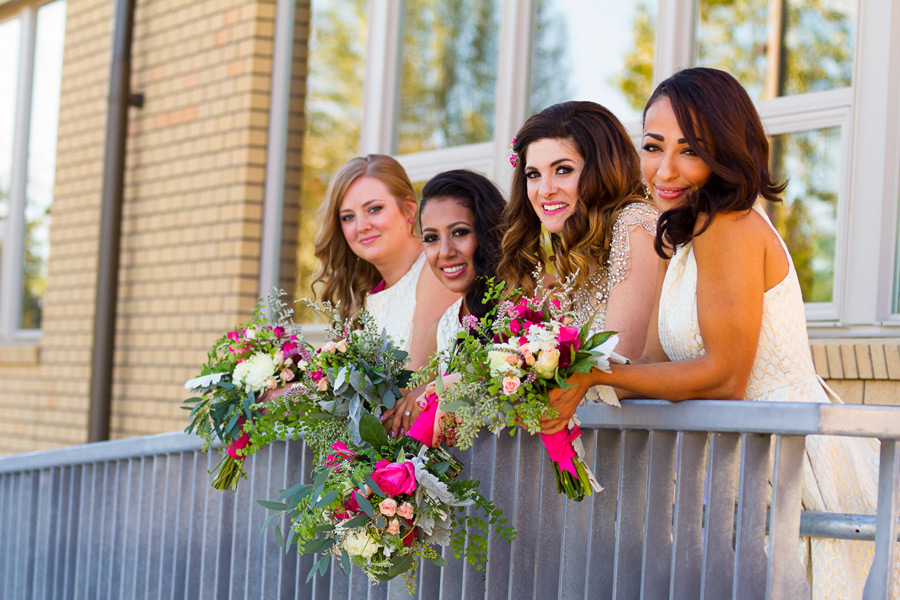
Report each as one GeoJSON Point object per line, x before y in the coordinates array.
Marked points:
{"type": "Point", "coordinates": [32, 39]}
{"type": "Point", "coordinates": [448, 83]}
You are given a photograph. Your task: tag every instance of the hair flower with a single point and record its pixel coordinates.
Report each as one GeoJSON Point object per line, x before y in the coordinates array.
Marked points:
{"type": "Point", "coordinates": [513, 155]}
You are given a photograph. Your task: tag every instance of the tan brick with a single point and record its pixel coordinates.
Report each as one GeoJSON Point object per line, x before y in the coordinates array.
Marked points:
{"type": "Point", "coordinates": [863, 361]}
{"type": "Point", "coordinates": [835, 364]}
{"type": "Point", "coordinates": [820, 360]}
{"type": "Point", "coordinates": [892, 358]}
{"type": "Point", "coordinates": [882, 392]}
{"type": "Point", "coordinates": [879, 361]}
{"type": "Point", "coordinates": [848, 359]}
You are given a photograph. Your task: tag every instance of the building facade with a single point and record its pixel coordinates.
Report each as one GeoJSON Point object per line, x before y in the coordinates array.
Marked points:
{"type": "Point", "coordinates": [249, 105]}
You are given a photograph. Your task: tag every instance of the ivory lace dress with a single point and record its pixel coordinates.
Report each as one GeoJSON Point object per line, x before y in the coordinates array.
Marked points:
{"type": "Point", "coordinates": [394, 308]}
{"type": "Point", "coordinates": [840, 474]}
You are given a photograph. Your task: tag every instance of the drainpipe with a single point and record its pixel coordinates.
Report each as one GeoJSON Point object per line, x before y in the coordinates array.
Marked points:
{"type": "Point", "coordinates": [111, 224]}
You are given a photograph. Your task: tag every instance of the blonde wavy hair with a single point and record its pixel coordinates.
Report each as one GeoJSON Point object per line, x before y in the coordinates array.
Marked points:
{"type": "Point", "coordinates": [610, 181]}
{"type": "Point", "coordinates": [342, 275]}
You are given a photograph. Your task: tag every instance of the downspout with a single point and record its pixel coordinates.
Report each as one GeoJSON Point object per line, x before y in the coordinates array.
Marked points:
{"type": "Point", "coordinates": [111, 225]}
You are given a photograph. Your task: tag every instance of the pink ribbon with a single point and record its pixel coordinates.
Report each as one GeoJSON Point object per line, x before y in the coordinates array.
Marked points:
{"type": "Point", "coordinates": [423, 428]}
{"type": "Point", "coordinates": [559, 448]}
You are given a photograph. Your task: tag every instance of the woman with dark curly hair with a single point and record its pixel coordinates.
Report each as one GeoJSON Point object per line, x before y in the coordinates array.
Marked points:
{"type": "Point", "coordinates": [730, 320]}
{"type": "Point", "coordinates": [460, 217]}
{"type": "Point", "coordinates": [577, 212]}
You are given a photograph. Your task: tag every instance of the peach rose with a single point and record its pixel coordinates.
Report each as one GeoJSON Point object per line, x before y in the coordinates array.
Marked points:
{"type": "Point", "coordinates": [511, 383]}
{"type": "Point", "coordinates": [405, 510]}
{"type": "Point", "coordinates": [388, 507]}
{"type": "Point", "coordinates": [393, 527]}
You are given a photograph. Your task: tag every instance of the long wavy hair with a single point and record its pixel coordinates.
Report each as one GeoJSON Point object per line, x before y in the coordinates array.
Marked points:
{"type": "Point", "coordinates": [610, 181]}
{"type": "Point", "coordinates": [342, 275]}
{"type": "Point", "coordinates": [478, 194]}
{"type": "Point", "coordinates": [722, 127]}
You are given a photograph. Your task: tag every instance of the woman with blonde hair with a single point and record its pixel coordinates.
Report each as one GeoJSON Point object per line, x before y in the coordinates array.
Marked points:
{"type": "Point", "coordinates": [370, 256]}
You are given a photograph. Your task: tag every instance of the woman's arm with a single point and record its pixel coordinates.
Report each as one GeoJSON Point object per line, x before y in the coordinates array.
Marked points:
{"type": "Point", "coordinates": [730, 257]}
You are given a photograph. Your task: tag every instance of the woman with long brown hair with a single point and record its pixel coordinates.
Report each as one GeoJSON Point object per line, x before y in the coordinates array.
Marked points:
{"type": "Point", "coordinates": [577, 211]}
{"type": "Point", "coordinates": [370, 256]}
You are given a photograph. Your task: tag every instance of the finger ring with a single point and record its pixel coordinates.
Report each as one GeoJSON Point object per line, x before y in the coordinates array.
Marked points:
{"type": "Point", "coordinates": [407, 413]}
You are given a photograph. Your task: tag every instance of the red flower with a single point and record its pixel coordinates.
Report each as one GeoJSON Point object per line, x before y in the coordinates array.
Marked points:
{"type": "Point", "coordinates": [395, 478]}
{"type": "Point", "coordinates": [289, 349]}
{"type": "Point", "coordinates": [568, 344]}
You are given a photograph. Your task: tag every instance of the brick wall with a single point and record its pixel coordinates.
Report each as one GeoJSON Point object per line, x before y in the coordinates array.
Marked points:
{"type": "Point", "coordinates": [192, 218]}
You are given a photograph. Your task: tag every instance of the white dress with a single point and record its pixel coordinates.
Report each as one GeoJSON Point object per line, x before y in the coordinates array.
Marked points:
{"type": "Point", "coordinates": [449, 325]}
{"type": "Point", "coordinates": [394, 308]}
{"type": "Point", "coordinates": [840, 474]}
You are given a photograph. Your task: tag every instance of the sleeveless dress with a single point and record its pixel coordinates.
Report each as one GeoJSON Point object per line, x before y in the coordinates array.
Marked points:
{"type": "Point", "coordinates": [394, 308]}
{"type": "Point", "coordinates": [840, 474]}
{"type": "Point", "coordinates": [448, 326]}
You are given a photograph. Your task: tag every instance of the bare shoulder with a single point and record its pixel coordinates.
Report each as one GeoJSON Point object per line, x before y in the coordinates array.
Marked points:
{"type": "Point", "coordinates": [740, 230]}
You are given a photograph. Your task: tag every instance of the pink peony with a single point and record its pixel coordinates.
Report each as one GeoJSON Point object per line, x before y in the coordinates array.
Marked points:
{"type": "Point", "coordinates": [234, 336]}
{"type": "Point", "coordinates": [405, 510]}
{"type": "Point", "coordinates": [393, 527]}
{"type": "Point", "coordinates": [317, 375]}
{"type": "Point", "coordinates": [278, 331]}
{"type": "Point", "coordinates": [395, 478]}
{"type": "Point", "coordinates": [388, 507]}
{"type": "Point", "coordinates": [511, 384]}
{"type": "Point", "coordinates": [287, 375]}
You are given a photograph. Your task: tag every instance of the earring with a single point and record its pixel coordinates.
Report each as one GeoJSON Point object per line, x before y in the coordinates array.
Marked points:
{"type": "Point", "coordinates": [647, 195]}
{"type": "Point", "coordinates": [410, 220]}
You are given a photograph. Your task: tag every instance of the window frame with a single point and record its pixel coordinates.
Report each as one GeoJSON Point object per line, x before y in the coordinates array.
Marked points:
{"type": "Point", "coordinates": [867, 113]}
{"type": "Point", "coordinates": [12, 232]}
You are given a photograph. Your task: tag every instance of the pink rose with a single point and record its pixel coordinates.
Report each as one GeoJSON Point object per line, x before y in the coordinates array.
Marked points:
{"type": "Point", "coordinates": [235, 447]}
{"type": "Point", "coordinates": [515, 327]}
{"type": "Point", "coordinates": [388, 507]}
{"type": "Point", "coordinates": [555, 303]}
{"type": "Point", "coordinates": [395, 478]}
{"type": "Point", "coordinates": [568, 344]}
{"type": "Point", "coordinates": [289, 349]}
{"type": "Point", "coordinates": [287, 375]}
{"type": "Point", "coordinates": [341, 346]}
{"type": "Point", "coordinates": [405, 510]}
{"type": "Point", "coordinates": [511, 384]}
{"type": "Point", "coordinates": [234, 336]}
{"type": "Point", "coordinates": [393, 527]}
{"type": "Point", "coordinates": [328, 347]}
{"type": "Point", "coordinates": [350, 506]}
{"type": "Point", "coordinates": [342, 452]}
{"type": "Point", "coordinates": [278, 331]}
{"type": "Point", "coordinates": [271, 383]}
{"type": "Point", "coordinates": [317, 375]}
{"type": "Point", "coordinates": [529, 357]}
{"type": "Point", "coordinates": [322, 385]}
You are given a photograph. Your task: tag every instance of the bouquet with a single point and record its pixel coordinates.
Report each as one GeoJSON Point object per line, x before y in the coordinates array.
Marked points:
{"type": "Point", "coordinates": [382, 504]}
{"type": "Point", "coordinates": [259, 355]}
{"type": "Point", "coordinates": [359, 369]}
{"type": "Point", "coordinates": [509, 361]}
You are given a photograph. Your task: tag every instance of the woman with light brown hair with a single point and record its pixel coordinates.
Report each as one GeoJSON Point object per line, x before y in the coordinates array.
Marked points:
{"type": "Point", "coordinates": [370, 256]}
{"type": "Point", "coordinates": [576, 211]}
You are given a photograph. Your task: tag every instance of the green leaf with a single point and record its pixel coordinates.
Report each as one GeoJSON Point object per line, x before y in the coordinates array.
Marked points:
{"type": "Point", "coordinates": [373, 486]}
{"type": "Point", "coordinates": [272, 505]}
{"type": "Point", "coordinates": [439, 386]}
{"type": "Point", "coordinates": [278, 536]}
{"type": "Point", "coordinates": [345, 561]}
{"type": "Point", "coordinates": [318, 545]}
{"type": "Point", "coordinates": [267, 521]}
{"type": "Point", "coordinates": [401, 566]}
{"type": "Point", "coordinates": [290, 538]}
{"type": "Point", "coordinates": [388, 399]}
{"type": "Point", "coordinates": [321, 479]}
{"type": "Point", "coordinates": [364, 504]}
{"type": "Point", "coordinates": [326, 499]}
{"type": "Point", "coordinates": [302, 489]}
{"type": "Point", "coordinates": [441, 467]}
{"type": "Point", "coordinates": [324, 528]}
{"type": "Point", "coordinates": [357, 521]}
{"type": "Point", "coordinates": [323, 563]}
{"type": "Point", "coordinates": [321, 416]}
{"type": "Point", "coordinates": [372, 431]}
{"type": "Point", "coordinates": [454, 406]}
{"type": "Point", "coordinates": [379, 521]}
{"type": "Point", "coordinates": [439, 561]}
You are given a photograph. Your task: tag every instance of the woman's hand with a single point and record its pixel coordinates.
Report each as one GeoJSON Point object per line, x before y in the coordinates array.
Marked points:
{"type": "Point", "coordinates": [269, 396]}
{"type": "Point", "coordinates": [399, 419]}
{"type": "Point", "coordinates": [565, 403]}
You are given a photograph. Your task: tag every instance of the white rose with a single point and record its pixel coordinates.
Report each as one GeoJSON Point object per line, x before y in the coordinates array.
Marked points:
{"type": "Point", "coordinates": [255, 371]}
{"type": "Point", "coordinates": [360, 543]}
{"type": "Point", "coordinates": [497, 359]}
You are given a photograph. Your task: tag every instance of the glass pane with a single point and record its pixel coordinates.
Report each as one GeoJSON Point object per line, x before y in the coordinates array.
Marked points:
{"type": "Point", "coordinates": [48, 55]}
{"type": "Point", "coordinates": [807, 219]}
{"type": "Point", "coordinates": [9, 50]}
{"type": "Point", "coordinates": [333, 108]}
{"type": "Point", "coordinates": [589, 50]}
{"type": "Point", "coordinates": [448, 74]}
{"type": "Point", "coordinates": [779, 47]}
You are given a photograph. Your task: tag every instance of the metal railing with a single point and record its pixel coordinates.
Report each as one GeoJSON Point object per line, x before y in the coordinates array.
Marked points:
{"type": "Point", "coordinates": [687, 512]}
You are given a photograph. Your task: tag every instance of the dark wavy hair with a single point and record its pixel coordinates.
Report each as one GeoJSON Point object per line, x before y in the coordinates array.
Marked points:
{"type": "Point", "coordinates": [722, 127]}
{"type": "Point", "coordinates": [610, 181]}
{"type": "Point", "coordinates": [478, 194]}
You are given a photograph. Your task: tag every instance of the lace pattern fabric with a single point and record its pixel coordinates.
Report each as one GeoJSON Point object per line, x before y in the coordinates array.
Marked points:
{"type": "Point", "coordinates": [394, 308]}
{"type": "Point", "coordinates": [591, 299]}
{"type": "Point", "coordinates": [447, 328]}
{"type": "Point", "coordinates": [840, 474]}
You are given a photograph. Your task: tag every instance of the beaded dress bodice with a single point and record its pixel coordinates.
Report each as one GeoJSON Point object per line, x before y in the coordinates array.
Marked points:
{"type": "Point", "coordinates": [394, 308]}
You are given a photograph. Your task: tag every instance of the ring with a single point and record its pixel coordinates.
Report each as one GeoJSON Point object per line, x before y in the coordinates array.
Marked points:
{"type": "Point", "coordinates": [407, 413]}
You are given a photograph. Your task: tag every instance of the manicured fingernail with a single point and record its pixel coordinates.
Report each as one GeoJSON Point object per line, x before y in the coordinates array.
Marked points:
{"type": "Point", "coordinates": [401, 431]}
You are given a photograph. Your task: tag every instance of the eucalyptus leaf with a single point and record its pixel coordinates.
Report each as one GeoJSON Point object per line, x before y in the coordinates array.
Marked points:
{"type": "Point", "coordinates": [290, 538]}
{"type": "Point", "coordinates": [379, 521]}
{"type": "Point", "coordinates": [357, 521]}
{"type": "Point", "coordinates": [318, 545]}
{"type": "Point", "coordinates": [364, 504]}
{"type": "Point", "coordinates": [278, 536]}
{"type": "Point", "coordinates": [402, 565]}
{"type": "Point", "coordinates": [340, 379]}
{"type": "Point", "coordinates": [345, 561]}
{"type": "Point", "coordinates": [326, 499]}
{"type": "Point", "coordinates": [272, 505]}
{"type": "Point", "coordinates": [439, 560]}
{"type": "Point", "coordinates": [374, 486]}
{"type": "Point", "coordinates": [441, 467]}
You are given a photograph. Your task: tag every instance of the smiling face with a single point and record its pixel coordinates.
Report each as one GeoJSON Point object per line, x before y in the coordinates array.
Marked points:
{"type": "Point", "coordinates": [374, 224]}
{"type": "Point", "coordinates": [448, 233]}
{"type": "Point", "coordinates": [670, 167]}
{"type": "Point", "coordinates": [552, 172]}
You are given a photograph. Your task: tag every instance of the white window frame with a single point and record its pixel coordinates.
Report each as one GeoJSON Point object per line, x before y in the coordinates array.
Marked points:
{"type": "Point", "coordinates": [867, 113]}
{"type": "Point", "coordinates": [13, 233]}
